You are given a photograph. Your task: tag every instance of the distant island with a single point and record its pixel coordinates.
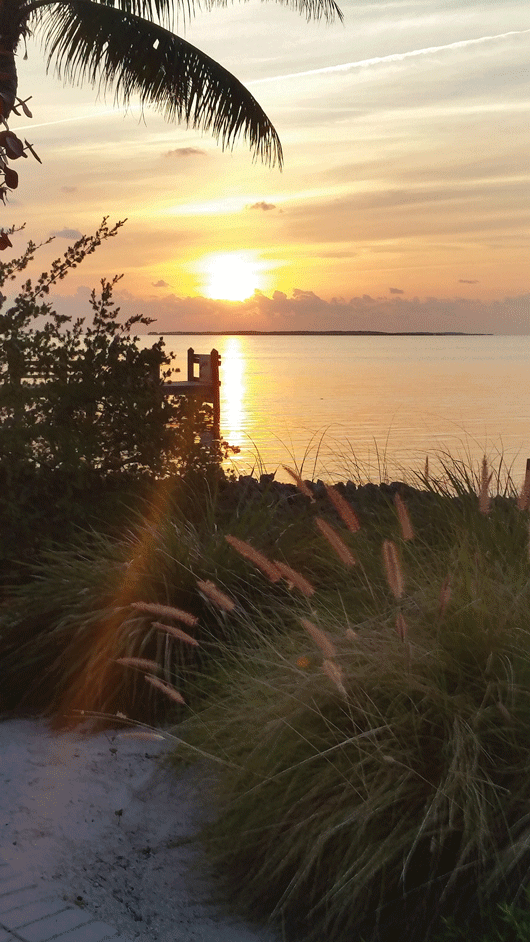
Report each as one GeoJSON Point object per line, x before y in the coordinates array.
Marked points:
{"type": "Point", "coordinates": [316, 333]}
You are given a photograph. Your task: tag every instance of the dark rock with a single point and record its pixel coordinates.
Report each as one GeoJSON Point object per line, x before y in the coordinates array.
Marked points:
{"type": "Point", "coordinates": [319, 489]}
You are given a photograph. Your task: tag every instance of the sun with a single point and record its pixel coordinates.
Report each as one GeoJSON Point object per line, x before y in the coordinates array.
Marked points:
{"type": "Point", "coordinates": [231, 276]}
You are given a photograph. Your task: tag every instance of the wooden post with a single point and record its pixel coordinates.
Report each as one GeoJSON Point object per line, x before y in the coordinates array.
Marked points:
{"type": "Point", "coordinates": [191, 361]}
{"type": "Point", "coordinates": [216, 384]}
{"type": "Point", "coordinates": [208, 376]}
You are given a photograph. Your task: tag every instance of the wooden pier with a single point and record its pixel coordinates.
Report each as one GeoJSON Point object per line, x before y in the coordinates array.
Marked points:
{"type": "Point", "coordinates": [202, 384]}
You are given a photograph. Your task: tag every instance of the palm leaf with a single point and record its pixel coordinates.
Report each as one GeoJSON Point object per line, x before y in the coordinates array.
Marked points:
{"type": "Point", "coordinates": [163, 11]}
{"type": "Point", "coordinates": [313, 9]}
{"type": "Point", "coordinates": [110, 47]}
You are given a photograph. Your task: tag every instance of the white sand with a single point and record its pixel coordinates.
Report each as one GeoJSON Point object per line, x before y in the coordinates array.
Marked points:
{"type": "Point", "coordinates": [139, 870]}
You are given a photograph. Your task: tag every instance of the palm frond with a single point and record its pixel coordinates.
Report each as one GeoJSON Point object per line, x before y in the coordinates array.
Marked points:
{"type": "Point", "coordinates": [165, 11]}
{"type": "Point", "coordinates": [313, 9]}
{"type": "Point", "coordinates": [113, 48]}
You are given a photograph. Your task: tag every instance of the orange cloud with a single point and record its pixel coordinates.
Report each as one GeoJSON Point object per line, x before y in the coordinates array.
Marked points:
{"type": "Point", "coordinates": [306, 311]}
{"type": "Point", "coordinates": [262, 205]}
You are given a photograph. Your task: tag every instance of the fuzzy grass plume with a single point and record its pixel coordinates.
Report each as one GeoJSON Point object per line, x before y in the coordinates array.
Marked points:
{"type": "Point", "coordinates": [254, 556]}
{"type": "Point", "coordinates": [371, 737]}
{"type": "Point", "coordinates": [166, 611]}
{"type": "Point", "coordinates": [377, 766]}
{"type": "Point", "coordinates": [335, 541]}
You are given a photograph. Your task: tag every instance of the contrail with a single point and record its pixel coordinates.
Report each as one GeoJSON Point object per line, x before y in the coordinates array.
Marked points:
{"type": "Point", "coordinates": [394, 57]}
{"type": "Point", "coordinates": [79, 117]}
{"type": "Point", "coordinates": [344, 67]}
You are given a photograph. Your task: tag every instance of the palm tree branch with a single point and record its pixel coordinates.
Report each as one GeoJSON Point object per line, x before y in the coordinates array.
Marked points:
{"type": "Point", "coordinates": [108, 47]}
{"type": "Point", "coordinates": [163, 11]}
{"type": "Point", "coordinates": [313, 9]}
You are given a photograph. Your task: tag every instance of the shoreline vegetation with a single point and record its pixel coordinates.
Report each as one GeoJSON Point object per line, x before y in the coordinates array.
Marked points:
{"type": "Point", "coordinates": [351, 662]}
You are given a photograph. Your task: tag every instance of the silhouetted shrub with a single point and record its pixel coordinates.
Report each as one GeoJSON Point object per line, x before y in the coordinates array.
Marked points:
{"type": "Point", "coordinates": [84, 420]}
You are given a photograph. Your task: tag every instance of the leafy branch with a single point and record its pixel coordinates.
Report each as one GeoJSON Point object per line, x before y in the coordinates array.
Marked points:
{"type": "Point", "coordinates": [12, 148]}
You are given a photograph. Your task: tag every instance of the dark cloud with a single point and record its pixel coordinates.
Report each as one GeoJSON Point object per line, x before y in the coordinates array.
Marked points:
{"type": "Point", "coordinates": [396, 291]}
{"type": "Point", "coordinates": [67, 234]}
{"type": "Point", "coordinates": [182, 152]}
{"type": "Point", "coordinates": [263, 205]}
{"type": "Point", "coordinates": [69, 189]}
{"type": "Point", "coordinates": [160, 284]}
{"type": "Point", "coordinates": [466, 281]}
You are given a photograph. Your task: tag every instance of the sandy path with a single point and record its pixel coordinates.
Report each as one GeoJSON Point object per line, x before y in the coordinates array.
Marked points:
{"type": "Point", "coordinates": [95, 815]}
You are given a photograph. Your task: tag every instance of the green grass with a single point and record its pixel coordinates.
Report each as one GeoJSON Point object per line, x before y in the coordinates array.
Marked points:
{"type": "Point", "coordinates": [373, 771]}
{"type": "Point", "coordinates": [63, 628]}
{"type": "Point", "coordinates": [507, 922]}
{"type": "Point", "coordinates": [376, 796]}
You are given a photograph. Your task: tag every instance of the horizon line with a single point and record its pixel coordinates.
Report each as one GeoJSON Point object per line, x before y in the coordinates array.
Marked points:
{"type": "Point", "coordinates": [319, 333]}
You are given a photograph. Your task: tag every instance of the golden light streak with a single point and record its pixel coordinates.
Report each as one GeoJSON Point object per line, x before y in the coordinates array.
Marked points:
{"type": "Point", "coordinates": [233, 390]}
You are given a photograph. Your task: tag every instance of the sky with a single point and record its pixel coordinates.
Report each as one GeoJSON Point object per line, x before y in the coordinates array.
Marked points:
{"type": "Point", "coordinates": [403, 203]}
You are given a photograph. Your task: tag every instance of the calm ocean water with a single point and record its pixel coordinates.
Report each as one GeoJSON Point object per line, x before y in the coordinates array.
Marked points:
{"type": "Point", "coordinates": [332, 405]}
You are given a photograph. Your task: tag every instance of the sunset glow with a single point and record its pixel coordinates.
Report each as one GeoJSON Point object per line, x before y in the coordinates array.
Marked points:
{"type": "Point", "coordinates": [232, 276]}
{"type": "Point", "coordinates": [403, 204]}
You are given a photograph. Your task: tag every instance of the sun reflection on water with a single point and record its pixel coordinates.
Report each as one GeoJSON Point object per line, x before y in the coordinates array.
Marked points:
{"type": "Point", "coordinates": [234, 390]}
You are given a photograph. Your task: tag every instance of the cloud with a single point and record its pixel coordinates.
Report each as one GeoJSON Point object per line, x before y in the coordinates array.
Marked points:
{"type": "Point", "coordinates": [67, 234]}
{"type": "Point", "coordinates": [396, 291]}
{"type": "Point", "coordinates": [382, 214]}
{"type": "Point", "coordinates": [179, 153]}
{"type": "Point", "coordinates": [467, 281]}
{"type": "Point", "coordinates": [262, 205]}
{"type": "Point", "coordinates": [305, 310]}
{"type": "Point", "coordinates": [69, 189]}
{"type": "Point", "coordinates": [334, 254]}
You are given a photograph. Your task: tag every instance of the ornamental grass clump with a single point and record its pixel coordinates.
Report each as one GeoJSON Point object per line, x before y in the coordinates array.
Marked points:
{"type": "Point", "coordinates": [360, 679]}
{"type": "Point", "coordinates": [149, 592]}
{"type": "Point", "coordinates": [374, 770]}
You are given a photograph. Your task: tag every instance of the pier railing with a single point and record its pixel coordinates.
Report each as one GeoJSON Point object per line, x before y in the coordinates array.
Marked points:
{"type": "Point", "coordinates": [204, 387]}
{"type": "Point", "coordinates": [203, 383]}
